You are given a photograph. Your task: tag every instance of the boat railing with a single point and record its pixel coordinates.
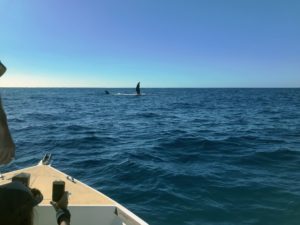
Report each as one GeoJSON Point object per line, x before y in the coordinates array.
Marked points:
{"type": "Point", "coordinates": [128, 217]}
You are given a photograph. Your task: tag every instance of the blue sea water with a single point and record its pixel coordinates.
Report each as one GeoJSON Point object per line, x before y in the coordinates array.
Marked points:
{"type": "Point", "coordinates": [172, 156]}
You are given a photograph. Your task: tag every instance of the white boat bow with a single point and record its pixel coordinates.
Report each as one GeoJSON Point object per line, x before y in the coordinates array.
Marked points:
{"type": "Point", "coordinates": [87, 205]}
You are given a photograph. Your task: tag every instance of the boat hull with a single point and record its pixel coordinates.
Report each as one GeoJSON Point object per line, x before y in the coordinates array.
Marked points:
{"type": "Point", "coordinates": [87, 205]}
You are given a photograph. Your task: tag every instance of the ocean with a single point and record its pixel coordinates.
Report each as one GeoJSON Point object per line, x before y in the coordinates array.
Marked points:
{"type": "Point", "coordinates": [172, 156]}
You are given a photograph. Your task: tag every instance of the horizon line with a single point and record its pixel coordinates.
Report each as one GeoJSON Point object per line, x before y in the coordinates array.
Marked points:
{"type": "Point", "coordinates": [86, 87]}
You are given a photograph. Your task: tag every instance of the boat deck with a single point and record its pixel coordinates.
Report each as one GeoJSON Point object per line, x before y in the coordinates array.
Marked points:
{"type": "Point", "coordinates": [42, 176]}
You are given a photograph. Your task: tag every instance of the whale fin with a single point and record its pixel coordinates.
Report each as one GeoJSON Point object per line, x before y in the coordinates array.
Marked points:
{"type": "Point", "coordinates": [137, 89]}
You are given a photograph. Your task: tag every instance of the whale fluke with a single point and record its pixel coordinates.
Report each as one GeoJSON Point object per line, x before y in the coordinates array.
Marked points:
{"type": "Point", "coordinates": [107, 92]}
{"type": "Point", "coordinates": [137, 89]}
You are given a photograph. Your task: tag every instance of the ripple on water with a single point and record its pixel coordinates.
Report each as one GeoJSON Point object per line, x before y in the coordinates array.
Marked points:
{"type": "Point", "coordinates": [173, 156]}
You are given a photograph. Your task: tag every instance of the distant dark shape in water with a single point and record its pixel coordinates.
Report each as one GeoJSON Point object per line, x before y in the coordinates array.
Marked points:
{"type": "Point", "coordinates": [2, 69]}
{"type": "Point", "coordinates": [107, 92]}
{"type": "Point", "coordinates": [137, 89]}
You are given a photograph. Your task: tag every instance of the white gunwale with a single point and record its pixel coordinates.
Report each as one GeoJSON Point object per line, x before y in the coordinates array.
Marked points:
{"type": "Point", "coordinates": [82, 198]}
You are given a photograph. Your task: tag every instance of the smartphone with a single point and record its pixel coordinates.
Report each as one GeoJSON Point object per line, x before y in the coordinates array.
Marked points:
{"type": "Point", "coordinates": [58, 189]}
{"type": "Point", "coordinates": [24, 178]}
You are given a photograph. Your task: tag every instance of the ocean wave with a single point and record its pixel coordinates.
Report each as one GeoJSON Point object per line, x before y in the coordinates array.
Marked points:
{"type": "Point", "coordinates": [179, 156]}
{"type": "Point", "coordinates": [146, 115]}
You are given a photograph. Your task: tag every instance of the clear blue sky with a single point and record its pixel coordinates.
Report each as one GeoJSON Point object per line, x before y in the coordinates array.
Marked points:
{"type": "Point", "coordinates": [162, 43]}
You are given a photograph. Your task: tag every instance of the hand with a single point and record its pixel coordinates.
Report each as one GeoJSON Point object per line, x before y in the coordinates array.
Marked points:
{"type": "Point", "coordinates": [62, 203]}
{"type": "Point", "coordinates": [63, 215]}
{"type": "Point", "coordinates": [7, 146]}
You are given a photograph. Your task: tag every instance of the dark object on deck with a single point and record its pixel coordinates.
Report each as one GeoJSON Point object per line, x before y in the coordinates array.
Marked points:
{"type": "Point", "coordinates": [46, 159]}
